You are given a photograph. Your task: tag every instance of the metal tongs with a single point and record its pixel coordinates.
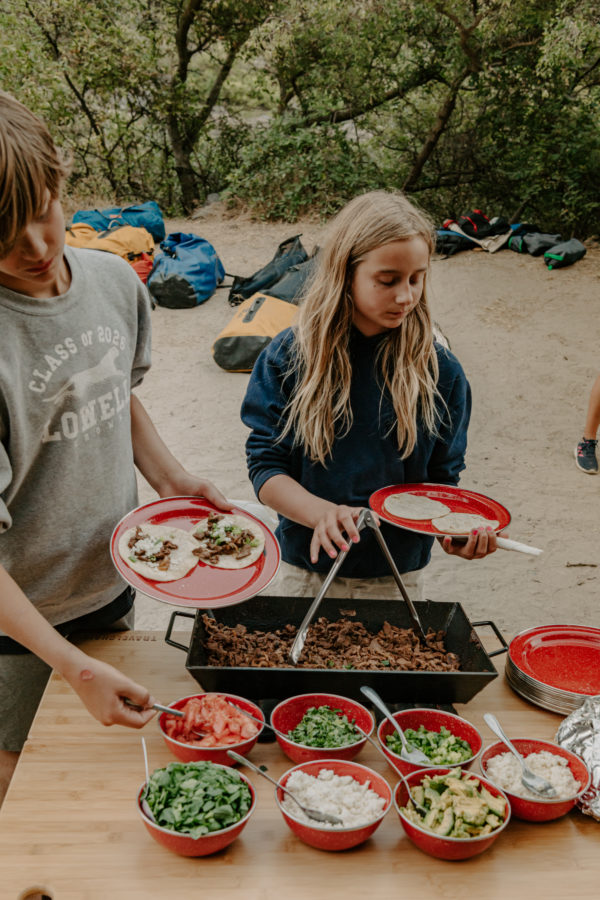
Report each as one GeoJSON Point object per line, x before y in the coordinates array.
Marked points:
{"type": "Point", "coordinates": [367, 519]}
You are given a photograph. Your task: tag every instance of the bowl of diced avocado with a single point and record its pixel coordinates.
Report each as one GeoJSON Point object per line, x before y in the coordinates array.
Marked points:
{"type": "Point", "coordinates": [445, 738]}
{"type": "Point", "coordinates": [460, 814]}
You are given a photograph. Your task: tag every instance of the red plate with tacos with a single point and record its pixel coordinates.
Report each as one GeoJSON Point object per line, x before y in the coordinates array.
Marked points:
{"type": "Point", "coordinates": [154, 549]}
{"type": "Point", "coordinates": [424, 507]}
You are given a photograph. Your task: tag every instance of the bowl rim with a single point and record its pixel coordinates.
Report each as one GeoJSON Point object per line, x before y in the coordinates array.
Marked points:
{"type": "Point", "coordinates": [182, 834]}
{"type": "Point", "coordinates": [443, 837]}
{"type": "Point", "coordinates": [418, 709]}
{"type": "Point", "coordinates": [546, 801]}
{"type": "Point", "coordinates": [361, 740]}
{"type": "Point", "coordinates": [334, 828]}
{"type": "Point", "coordinates": [217, 747]}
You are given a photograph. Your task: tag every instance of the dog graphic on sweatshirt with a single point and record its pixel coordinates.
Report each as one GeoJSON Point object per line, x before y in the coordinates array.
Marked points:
{"type": "Point", "coordinates": [81, 381]}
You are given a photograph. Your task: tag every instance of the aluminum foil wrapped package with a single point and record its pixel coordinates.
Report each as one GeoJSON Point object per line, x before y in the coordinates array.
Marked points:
{"type": "Point", "coordinates": [580, 733]}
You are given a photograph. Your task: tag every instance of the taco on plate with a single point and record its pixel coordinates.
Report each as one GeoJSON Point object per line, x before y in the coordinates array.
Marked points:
{"type": "Point", "coordinates": [228, 541]}
{"type": "Point", "coordinates": [159, 552]}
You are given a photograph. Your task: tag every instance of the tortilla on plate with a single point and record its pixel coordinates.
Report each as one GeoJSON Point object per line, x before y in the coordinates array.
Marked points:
{"type": "Point", "coordinates": [414, 506]}
{"type": "Point", "coordinates": [158, 552]}
{"type": "Point", "coordinates": [461, 523]}
{"type": "Point", "coordinates": [228, 541]}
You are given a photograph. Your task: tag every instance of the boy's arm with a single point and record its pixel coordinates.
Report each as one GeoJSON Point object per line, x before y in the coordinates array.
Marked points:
{"type": "Point", "coordinates": [158, 465]}
{"type": "Point", "coordinates": [100, 686]}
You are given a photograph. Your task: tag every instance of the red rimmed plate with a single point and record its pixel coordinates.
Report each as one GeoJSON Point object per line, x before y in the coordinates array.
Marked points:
{"type": "Point", "coordinates": [563, 657]}
{"type": "Point", "coordinates": [205, 586]}
{"type": "Point", "coordinates": [457, 499]}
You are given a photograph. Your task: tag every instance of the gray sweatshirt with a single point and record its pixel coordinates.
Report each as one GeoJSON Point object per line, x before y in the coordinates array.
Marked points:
{"type": "Point", "coordinates": [67, 365]}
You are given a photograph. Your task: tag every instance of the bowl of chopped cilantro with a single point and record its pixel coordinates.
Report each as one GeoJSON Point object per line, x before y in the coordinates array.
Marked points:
{"type": "Point", "coordinates": [198, 807]}
{"type": "Point", "coordinates": [321, 726]}
{"type": "Point", "coordinates": [445, 738]}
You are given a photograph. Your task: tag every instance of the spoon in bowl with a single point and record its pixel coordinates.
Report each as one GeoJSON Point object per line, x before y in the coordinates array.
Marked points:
{"type": "Point", "coordinates": [409, 753]}
{"type": "Point", "coordinates": [145, 808]}
{"type": "Point", "coordinates": [422, 810]}
{"type": "Point", "coordinates": [315, 814]}
{"type": "Point", "coordinates": [534, 782]}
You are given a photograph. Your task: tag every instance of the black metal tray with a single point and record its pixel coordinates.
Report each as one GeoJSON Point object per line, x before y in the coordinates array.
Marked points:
{"type": "Point", "coordinates": [266, 613]}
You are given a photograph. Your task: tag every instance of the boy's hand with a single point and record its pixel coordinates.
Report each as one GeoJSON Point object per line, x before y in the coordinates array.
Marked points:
{"type": "Point", "coordinates": [102, 688]}
{"type": "Point", "coordinates": [337, 526]}
{"type": "Point", "coordinates": [187, 485]}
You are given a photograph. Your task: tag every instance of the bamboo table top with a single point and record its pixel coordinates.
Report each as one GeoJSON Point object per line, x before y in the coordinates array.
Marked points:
{"type": "Point", "coordinates": [69, 823]}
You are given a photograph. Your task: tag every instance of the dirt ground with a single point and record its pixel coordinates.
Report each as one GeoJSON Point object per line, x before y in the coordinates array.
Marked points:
{"type": "Point", "coordinates": [526, 339]}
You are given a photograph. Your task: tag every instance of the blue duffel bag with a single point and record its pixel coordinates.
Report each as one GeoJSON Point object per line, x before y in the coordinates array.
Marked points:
{"type": "Point", "coordinates": [186, 273]}
{"type": "Point", "coordinates": [140, 215]}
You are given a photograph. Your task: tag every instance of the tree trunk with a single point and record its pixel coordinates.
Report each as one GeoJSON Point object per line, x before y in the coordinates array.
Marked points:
{"type": "Point", "coordinates": [183, 167]}
{"type": "Point", "coordinates": [442, 119]}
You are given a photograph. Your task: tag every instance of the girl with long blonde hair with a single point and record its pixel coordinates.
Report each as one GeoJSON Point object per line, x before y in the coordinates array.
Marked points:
{"type": "Point", "coordinates": [358, 395]}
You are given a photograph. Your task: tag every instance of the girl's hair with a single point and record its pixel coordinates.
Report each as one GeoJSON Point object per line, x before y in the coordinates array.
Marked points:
{"type": "Point", "coordinates": [320, 405]}
{"type": "Point", "coordinates": [30, 166]}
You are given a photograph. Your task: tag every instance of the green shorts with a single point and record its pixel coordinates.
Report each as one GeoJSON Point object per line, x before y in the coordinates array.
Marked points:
{"type": "Point", "coordinates": [23, 676]}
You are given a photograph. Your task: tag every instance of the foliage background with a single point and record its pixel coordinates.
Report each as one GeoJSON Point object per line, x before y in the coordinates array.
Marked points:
{"type": "Point", "coordinates": [290, 108]}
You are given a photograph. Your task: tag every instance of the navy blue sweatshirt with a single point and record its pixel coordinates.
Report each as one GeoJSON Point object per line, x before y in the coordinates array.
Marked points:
{"type": "Point", "coordinates": [363, 460]}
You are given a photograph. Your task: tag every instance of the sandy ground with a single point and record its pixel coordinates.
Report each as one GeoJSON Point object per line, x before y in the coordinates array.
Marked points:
{"type": "Point", "coordinates": [526, 338]}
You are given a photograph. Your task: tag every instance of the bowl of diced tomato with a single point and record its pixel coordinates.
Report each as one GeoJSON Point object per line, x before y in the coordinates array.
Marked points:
{"type": "Point", "coordinates": [212, 725]}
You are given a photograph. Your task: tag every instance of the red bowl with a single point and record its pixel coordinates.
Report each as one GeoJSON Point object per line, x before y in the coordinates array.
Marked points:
{"type": "Point", "coordinates": [331, 838]}
{"type": "Point", "coordinates": [434, 844]}
{"type": "Point", "coordinates": [190, 753]}
{"type": "Point", "coordinates": [290, 712]}
{"type": "Point", "coordinates": [432, 719]}
{"type": "Point", "coordinates": [539, 810]}
{"type": "Point", "coordinates": [185, 845]}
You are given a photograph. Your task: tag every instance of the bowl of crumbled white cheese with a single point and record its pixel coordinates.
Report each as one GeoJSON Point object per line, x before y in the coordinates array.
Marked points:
{"type": "Point", "coordinates": [357, 795]}
{"type": "Point", "coordinates": [565, 771]}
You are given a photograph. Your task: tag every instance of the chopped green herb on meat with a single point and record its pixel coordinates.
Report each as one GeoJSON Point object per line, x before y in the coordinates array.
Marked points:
{"type": "Point", "coordinates": [322, 726]}
{"type": "Point", "coordinates": [197, 798]}
{"type": "Point", "coordinates": [442, 747]}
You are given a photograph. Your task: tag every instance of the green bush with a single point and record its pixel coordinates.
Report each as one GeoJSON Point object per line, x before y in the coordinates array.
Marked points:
{"type": "Point", "coordinates": [285, 173]}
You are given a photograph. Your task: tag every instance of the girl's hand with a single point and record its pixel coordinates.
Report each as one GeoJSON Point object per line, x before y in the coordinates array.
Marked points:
{"type": "Point", "coordinates": [481, 542]}
{"type": "Point", "coordinates": [186, 485]}
{"type": "Point", "coordinates": [330, 529]}
{"type": "Point", "coordinates": [102, 688]}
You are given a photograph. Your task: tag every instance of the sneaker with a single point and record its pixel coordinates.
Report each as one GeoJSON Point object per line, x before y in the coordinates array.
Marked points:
{"type": "Point", "coordinates": [585, 456]}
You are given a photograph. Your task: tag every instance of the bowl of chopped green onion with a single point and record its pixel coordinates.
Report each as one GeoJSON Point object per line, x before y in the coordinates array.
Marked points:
{"type": "Point", "coordinates": [321, 726]}
{"type": "Point", "coordinates": [445, 738]}
{"type": "Point", "coordinates": [197, 808]}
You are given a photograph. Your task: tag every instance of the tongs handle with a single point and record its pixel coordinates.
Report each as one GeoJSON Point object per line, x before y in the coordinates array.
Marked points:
{"type": "Point", "coordinates": [366, 518]}
{"type": "Point", "coordinates": [300, 638]}
{"type": "Point", "coordinates": [369, 520]}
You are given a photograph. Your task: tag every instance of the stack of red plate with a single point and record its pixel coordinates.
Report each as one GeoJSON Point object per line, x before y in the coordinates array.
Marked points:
{"type": "Point", "coordinates": [555, 666]}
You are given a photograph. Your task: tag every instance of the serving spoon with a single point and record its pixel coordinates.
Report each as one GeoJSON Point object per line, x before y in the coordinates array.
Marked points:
{"type": "Point", "coordinates": [409, 753]}
{"type": "Point", "coordinates": [315, 814]}
{"type": "Point", "coordinates": [422, 810]}
{"type": "Point", "coordinates": [534, 782]}
{"type": "Point", "coordinates": [145, 807]}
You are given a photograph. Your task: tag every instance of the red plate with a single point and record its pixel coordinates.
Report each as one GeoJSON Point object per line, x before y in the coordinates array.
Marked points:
{"type": "Point", "coordinates": [566, 657]}
{"type": "Point", "coordinates": [205, 586]}
{"type": "Point", "coordinates": [457, 499]}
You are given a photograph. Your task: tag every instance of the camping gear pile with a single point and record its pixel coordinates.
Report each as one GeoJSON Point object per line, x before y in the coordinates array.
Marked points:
{"type": "Point", "coordinates": [475, 229]}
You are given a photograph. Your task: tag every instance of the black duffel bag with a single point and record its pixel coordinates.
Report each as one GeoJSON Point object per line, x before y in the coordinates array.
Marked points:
{"type": "Point", "coordinates": [289, 253]}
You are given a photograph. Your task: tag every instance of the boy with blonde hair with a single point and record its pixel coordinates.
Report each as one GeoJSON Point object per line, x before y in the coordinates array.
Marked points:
{"type": "Point", "coordinates": [74, 340]}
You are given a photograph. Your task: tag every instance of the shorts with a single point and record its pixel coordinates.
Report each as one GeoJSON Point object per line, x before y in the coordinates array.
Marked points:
{"type": "Point", "coordinates": [23, 676]}
{"type": "Point", "coordinates": [292, 581]}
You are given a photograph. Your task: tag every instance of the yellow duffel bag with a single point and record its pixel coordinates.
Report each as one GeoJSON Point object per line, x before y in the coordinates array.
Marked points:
{"type": "Point", "coordinates": [126, 241]}
{"type": "Point", "coordinates": [254, 325]}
